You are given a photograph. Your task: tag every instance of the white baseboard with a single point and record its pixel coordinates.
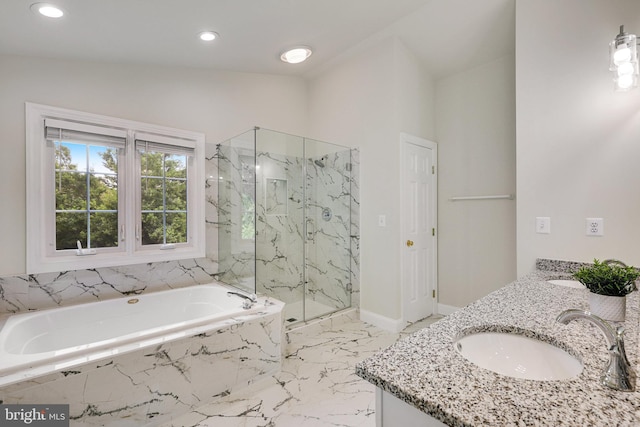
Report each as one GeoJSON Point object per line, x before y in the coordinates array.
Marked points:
{"type": "Point", "coordinates": [397, 325]}
{"type": "Point", "coordinates": [391, 325]}
{"type": "Point", "coordinates": [445, 310]}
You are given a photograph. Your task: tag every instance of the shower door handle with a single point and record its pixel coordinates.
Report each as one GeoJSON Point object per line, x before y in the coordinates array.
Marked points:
{"type": "Point", "coordinates": [310, 229]}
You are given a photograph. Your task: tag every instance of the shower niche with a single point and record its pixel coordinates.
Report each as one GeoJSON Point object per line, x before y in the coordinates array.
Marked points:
{"type": "Point", "coordinates": [287, 216]}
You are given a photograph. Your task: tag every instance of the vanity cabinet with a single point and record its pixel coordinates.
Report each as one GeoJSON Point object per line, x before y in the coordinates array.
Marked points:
{"type": "Point", "coordinates": [393, 412]}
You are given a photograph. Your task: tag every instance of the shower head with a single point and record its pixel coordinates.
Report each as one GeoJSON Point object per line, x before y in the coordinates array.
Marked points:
{"type": "Point", "coordinates": [320, 162]}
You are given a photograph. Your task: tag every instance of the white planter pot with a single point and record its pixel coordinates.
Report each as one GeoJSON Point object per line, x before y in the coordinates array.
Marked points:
{"type": "Point", "coordinates": [608, 308]}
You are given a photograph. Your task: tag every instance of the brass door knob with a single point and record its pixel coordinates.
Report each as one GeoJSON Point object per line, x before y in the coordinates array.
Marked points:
{"type": "Point", "coordinates": [409, 243]}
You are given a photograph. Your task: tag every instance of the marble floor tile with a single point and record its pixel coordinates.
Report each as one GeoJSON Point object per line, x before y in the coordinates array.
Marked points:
{"type": "Point", "coordinates": [317, 386]}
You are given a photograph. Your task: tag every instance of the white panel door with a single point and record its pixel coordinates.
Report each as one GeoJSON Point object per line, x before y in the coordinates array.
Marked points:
{"type": "Point", "coordinates": [419, 200]}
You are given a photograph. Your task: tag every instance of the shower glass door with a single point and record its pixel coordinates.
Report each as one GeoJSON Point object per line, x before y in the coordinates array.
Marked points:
{"type": "Point", "coordinates": [284, 210]}
{"type": "Point", "coordinates": [327, 220]}
{"type": "Point", "coordinates": [236, 211]}
{"type": "Point", "coordinates": [280, 220]}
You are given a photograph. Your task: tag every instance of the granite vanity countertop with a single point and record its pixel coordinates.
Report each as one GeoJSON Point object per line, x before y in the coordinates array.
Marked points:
{"type": "Point", "coordinates": [426, 371]}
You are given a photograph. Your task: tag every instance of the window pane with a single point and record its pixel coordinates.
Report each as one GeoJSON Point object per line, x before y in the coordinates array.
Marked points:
{"type": "Point", "coordinates": [151, 164]}
{"type": "Point", "coordinates": [175, 166]}
{"type": "Point", "coordinates": [75, 162]}
{"type": "Point", "coordinates": [176, 227]}
{"type": "Point", "coordinates": [104, 192]}
{"type": "Point", "coordinates": [176, 195]}
{"type": "Point", "coordinates": [103, 159]}
{"type": "Point", "coordinates": [152, 229]}
{"type": "Point", "coordinates": [104, 229]}
{"type": "Point", "coordinates": [164, 191]}
{"type": "Point", "coordinates": [71, 190]}
{"type": "Point", "coordinates": [151, 189]}
{"type": "Point", "coordinates": [71, 156]}
{"type": "Point", "coordinates": [71, 227]}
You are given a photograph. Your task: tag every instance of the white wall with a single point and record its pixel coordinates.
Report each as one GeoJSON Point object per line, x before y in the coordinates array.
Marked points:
{"type": "Point", "coordinates": [366, 102]}
{"type": "Point", "coordinates": [220, 104]}
{"type": "Point", "coordinates": [578, 141]}
{"type": "Point", "coordinates": [415, 95]}
{"type": "Point", "coordinates": [475, 130]}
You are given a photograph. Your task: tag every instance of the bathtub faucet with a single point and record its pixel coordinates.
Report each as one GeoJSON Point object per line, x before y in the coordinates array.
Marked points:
{"type": "Point", "coordinates": [619, 374]}
{"type": "Point", "coordinates": [249, 300]}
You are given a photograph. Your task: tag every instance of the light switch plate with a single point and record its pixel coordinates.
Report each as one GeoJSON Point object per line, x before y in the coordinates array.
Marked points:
{"type": "Point", "coordinates": [382, 221]}
{"type": "Point", "coordinates": [543, 225]}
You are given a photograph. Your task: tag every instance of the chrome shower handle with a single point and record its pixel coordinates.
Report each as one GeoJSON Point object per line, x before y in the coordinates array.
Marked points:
{"type": "Point", "coordinates": [309, 228]}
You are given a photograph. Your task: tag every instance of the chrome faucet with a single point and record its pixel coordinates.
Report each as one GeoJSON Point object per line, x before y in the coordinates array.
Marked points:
{"type": "Point", "coordinates": [619, 374]}
{"type": "Point", "coordinates": [249, 300]}
{"type": "Point", "coordinates": [614, 261]}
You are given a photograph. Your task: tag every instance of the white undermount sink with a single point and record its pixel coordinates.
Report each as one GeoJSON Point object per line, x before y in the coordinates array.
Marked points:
{"type": "Point", "coordinates": [568, 283]}
{"type": "Point", "coordinates": [518, 356]}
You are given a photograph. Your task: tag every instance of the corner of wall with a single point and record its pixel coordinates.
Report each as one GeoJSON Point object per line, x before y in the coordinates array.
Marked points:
{"type": "Point", "coordinates": [382, 322]}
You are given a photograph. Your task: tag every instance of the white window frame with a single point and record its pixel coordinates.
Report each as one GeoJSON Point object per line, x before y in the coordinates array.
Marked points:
{"type": "Point", "coordinates": [41, 199]}
{"type": "Point", "coordinates": [180, 147]}
{"type": "Point", "coordinates": [49, 203]}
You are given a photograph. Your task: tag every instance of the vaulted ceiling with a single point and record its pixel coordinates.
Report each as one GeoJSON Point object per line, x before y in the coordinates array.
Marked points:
{"type": "Point", "coordinates": [446, 35]}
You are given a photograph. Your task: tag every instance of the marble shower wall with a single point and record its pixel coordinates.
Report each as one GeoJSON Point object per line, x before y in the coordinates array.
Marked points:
{"type": "Point", "coordinates": [332, 246]}
{"type": "Point", "coordinates": [329, 233]}
{"type": "Point", "coordinates": [328, 194]}
{"type": "Point", "coordinates": [279, 227]}
{"type": "Point", "coordinates": [355, 227]}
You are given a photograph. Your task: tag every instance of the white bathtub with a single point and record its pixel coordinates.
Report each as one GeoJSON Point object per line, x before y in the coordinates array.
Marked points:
{"type": "Point", "coordinates": [41, 342]}
{"type": "Point", "coordinates": [139, 364]}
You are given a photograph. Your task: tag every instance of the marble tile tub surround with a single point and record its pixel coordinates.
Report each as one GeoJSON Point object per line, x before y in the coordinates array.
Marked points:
{"type": "Point", "coordinates": [151, 385]}
{"type": "Point", "coordinates": [49, 290]}
{"type": "Point", "coordinates": [425, 371]}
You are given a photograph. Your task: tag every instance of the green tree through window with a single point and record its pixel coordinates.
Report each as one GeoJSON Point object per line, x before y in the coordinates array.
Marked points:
{"type": "Point", "coordinates": [132, 192]}
{"type": "Point", "coordinates": [163, 197]}
{"type": "Point", "coordinates": [86, 197]}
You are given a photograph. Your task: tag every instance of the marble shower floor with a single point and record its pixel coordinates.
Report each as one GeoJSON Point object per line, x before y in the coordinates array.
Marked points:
{"type": "Point", "coordinates": [317, 385]}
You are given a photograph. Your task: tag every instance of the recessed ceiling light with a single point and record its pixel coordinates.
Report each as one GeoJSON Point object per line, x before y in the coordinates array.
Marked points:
{"type": "Point", "coordinates": [296, 55]}
{"type": "Point", "coordinates": [47, 9]}
{"type": "Point", "coordinates": [208, 36]}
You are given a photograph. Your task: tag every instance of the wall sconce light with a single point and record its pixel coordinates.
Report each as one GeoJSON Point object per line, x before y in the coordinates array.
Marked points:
{"type": "Point", "coordinates": [624, 61]}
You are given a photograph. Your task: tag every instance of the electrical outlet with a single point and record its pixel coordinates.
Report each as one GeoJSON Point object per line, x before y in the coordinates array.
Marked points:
{"type": "Point", "coordinates": [595, 226]}
{"type": "Point", "coordinates": [543, 225]}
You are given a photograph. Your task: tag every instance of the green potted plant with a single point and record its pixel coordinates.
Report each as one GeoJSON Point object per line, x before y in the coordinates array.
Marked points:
{"type": "Point", "coordinates": [609, 282]}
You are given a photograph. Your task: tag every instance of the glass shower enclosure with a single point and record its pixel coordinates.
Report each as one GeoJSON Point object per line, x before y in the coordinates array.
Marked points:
{"type": "Point", "coordinates": [284, 213]}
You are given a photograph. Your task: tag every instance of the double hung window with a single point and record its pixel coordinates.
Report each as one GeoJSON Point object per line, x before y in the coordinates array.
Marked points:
{"type": "Point", "coordinates": [103, 191]}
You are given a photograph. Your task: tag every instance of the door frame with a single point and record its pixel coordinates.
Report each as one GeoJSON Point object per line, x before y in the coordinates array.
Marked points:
{"type": "Point", "coordinates": [432, 145]}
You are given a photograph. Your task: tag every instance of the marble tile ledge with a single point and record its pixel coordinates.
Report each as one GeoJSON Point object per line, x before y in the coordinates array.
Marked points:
{"type": "Point", "coordinates": [425, 371]}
